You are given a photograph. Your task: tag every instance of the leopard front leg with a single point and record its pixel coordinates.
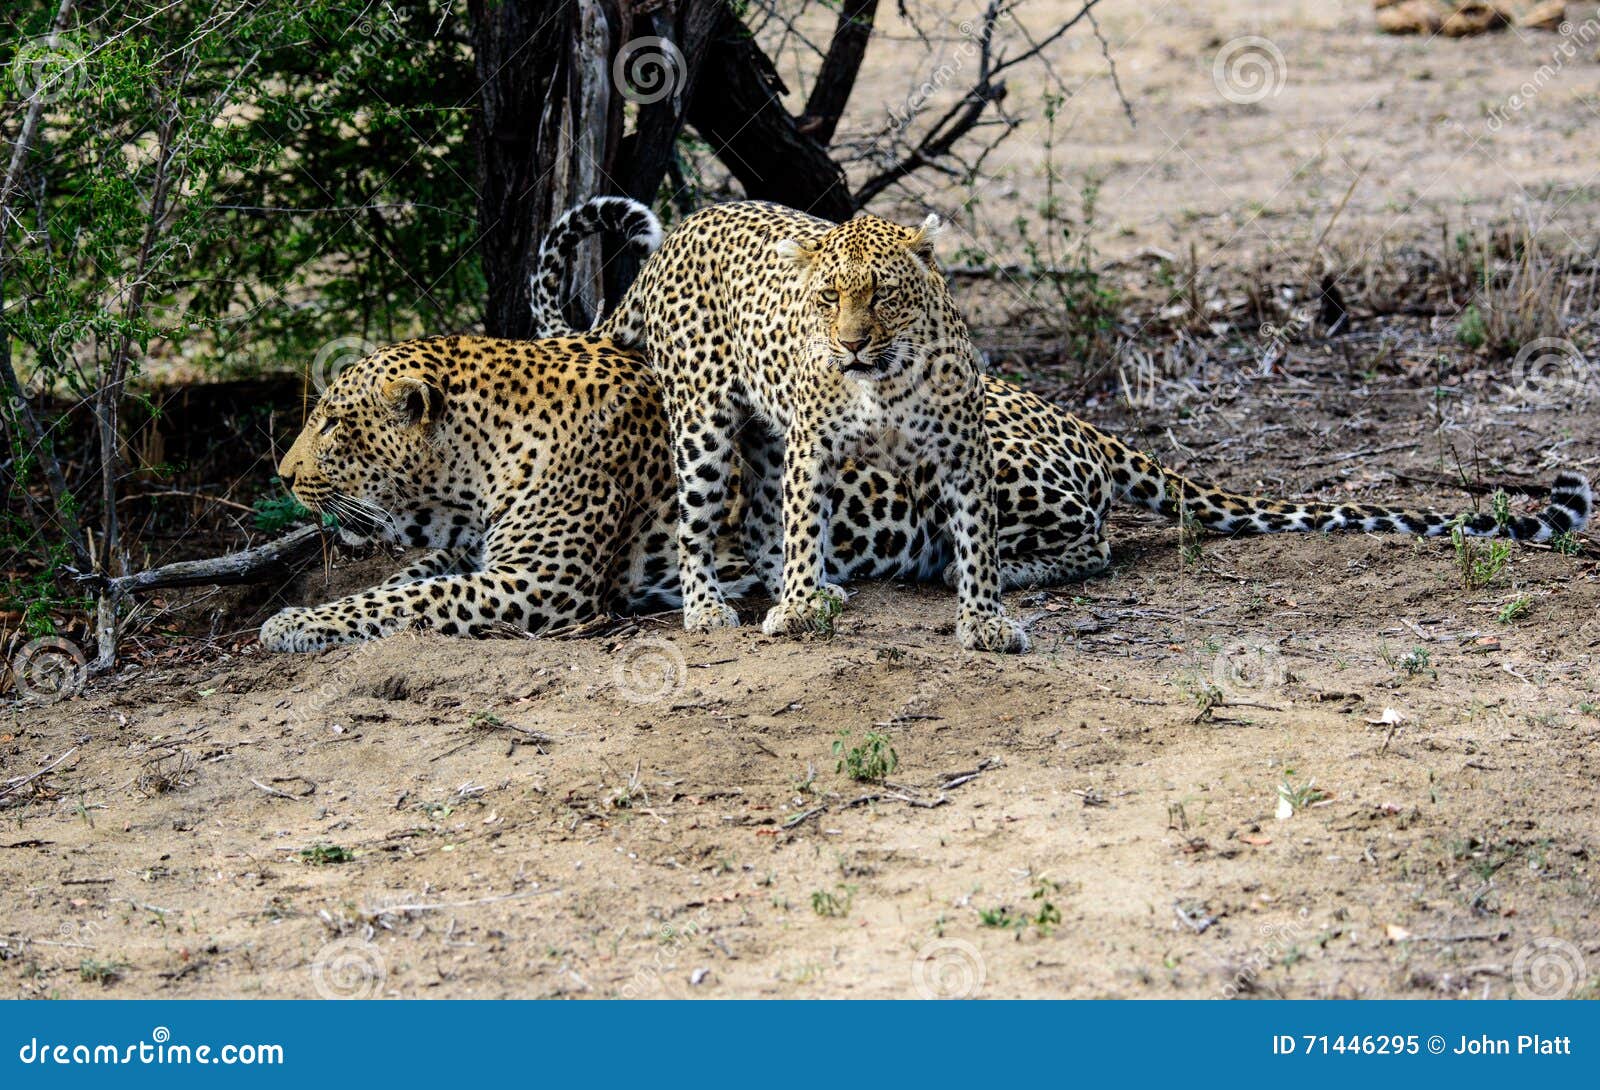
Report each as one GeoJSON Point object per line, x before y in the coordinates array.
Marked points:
{"type": "Point", "coordinates": [966, 491]}
{"type": "Point", "coordinates": [456, 605]}
{"type": "Point", "coordinates": [761, 484]}
{"type": "Point", "coordinates": [809, 468]}
{"type": "Point", "coordinates": [432, 563]}
{"type": "Point", "coordinates": [702, 444]}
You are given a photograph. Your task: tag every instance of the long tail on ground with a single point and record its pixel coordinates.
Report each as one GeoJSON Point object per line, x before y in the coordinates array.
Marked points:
{"type": "Point", "coordinates": [620, 216]}
{"type": "Point", "coordinates": [1140, 479]}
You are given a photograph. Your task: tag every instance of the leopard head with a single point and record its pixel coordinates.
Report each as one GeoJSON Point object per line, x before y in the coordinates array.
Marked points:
{"type": "Point", "coordinates": [368, 451]}
{"type": "Point", "coordinates": [871, 284]}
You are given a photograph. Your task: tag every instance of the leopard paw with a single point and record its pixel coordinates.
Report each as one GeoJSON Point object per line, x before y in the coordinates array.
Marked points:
{"type": "Point", "coordinates": [709, 617]}
{"type": "Point", "coordinates": [991, 632]}
{"type": "Point", "coordinates": [815, 613]}
{"type": "Point", "coordinates": [286, 630]}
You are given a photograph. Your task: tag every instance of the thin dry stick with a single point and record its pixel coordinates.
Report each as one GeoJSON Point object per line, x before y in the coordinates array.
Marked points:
{"type": "Point", "coordinates": [16, 785]}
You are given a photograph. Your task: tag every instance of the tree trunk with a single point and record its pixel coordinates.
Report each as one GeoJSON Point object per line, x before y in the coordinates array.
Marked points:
{"type": "Point", "coordinates": [737, 111]}
{"type": "Point", "coordinates": [540, 140]}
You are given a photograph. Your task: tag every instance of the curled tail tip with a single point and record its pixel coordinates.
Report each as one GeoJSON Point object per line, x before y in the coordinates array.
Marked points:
{"type": "Point", "coordinates": [631, 219]}
{"type": "Point", "coordinates": [1571, 502]}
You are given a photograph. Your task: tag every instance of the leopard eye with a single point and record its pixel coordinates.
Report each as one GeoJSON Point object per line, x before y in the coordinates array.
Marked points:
{"type": "Point", "coordinates": [328, 425]}
{"type": "Point", "coordinates": [829, 296]}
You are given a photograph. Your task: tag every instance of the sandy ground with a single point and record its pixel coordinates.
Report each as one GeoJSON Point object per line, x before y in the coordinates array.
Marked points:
{"type": "Point", "coordinates": [640, 812]}
{"type": "Point", "coordinates": [1251, 122]}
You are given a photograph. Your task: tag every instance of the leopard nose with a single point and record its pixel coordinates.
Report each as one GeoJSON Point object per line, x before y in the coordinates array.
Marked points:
{"type": "Point", "coordinates": [287, 475]}
{"type": "Point", "coordinates": [853, 347]}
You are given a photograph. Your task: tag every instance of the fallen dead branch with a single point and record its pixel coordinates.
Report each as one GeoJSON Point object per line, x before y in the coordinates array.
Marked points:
{"type": "Point", "coordinates": [275, 559]}
{"type": "Point", "coordinates": [11, 787]}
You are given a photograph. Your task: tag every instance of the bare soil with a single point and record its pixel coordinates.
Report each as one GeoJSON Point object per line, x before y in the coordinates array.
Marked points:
{"type": "Point", "coordinates": [636, 811]}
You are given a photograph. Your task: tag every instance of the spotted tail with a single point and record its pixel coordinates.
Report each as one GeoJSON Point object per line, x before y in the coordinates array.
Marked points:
{"type": "Point", "coordinates": [620, 216]}
{"type": "Point", "coordinates": [1140, 479]}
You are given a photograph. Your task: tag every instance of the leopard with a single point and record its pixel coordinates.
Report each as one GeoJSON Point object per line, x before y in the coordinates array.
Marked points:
{"type": "Point", "coordinates": [530, 472]}
{"type": "Point", "coordinates": [1057, 475]}
{"type": "Point", "coordinates": [806, 344]}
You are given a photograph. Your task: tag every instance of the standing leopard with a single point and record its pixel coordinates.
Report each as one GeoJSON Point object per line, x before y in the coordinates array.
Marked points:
{"type": "Point", "coordinates": [1057, 476]}
{"type": "Point", "coordinates": [811, 343]}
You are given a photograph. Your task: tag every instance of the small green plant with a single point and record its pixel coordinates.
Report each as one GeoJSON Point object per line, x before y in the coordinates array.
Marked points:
{"type": "Point", "coordinates": [1203, 692]}
{"type": "Point", "coordinates": [323, 855]}
{"type": "Point", "coordinates": [1514, 610]}
{"type": "Point", "coordinates": [825, 611]}
{"type": "Point", "coordinates": [998, 917]}
{"type": "Point", "coordinates": [1566, 543]}
{"type": "Point", "coordinates": [93, 971]}
{"type": "Point", "coordinates": [1479, 562]}
{"type": "Point", "coordinates": [1190, 536]}
{"type": "Point", "coordinates": [1500, 507]}
{"type": "Point", "coordinates": [833, 903]}
{"type": "Point", "coordinates": [1296, 798]}
{"type": "Point", "coordinates": [870, 762]}
{"type": "Point", "coordinates": [1046, 915]}
{"type": "Point", "coordinates": [1472, 330]}
{"type": "Point", "coordinates": [1414, 662]}
{"type": "Point", "coordinates": [274, 514]}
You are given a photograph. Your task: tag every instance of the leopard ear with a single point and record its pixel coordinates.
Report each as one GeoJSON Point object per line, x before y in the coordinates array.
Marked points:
{"type": "Point", "coordinates": [796, 253]}
{"type": "Point", "coordinates": [921, 238]}
{"type": "Point", "coordinates": [413, 400]}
